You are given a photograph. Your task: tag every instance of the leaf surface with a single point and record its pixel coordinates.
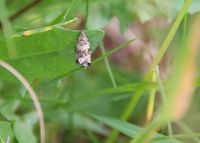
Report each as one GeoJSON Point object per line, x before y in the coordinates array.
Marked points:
{"type": "Point", "coordinates": [46, 55]}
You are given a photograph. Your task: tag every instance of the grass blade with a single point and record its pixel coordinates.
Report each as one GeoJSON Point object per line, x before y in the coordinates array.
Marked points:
{"type": "Point", "coordinates": [169, 37]}
{"type": "Point", "coordinates": [113, 50]}
{"type": "Point", "coordinates": [129, 129]}
{"type": "Point", "coordinates": [110, 73]}
{"type": "Point", "coordinates": [7, 29]}
{"type": "Point", "coordinates": [186, 129]}
{"type": "Point", "coordinates": [33, 95]}
{"type": "Point", "coordinates": [68, 10]}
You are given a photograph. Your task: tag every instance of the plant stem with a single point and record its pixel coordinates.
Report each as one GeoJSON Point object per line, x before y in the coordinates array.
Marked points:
{"type": "Point", "coordinates": [148, 132]}
{"type": "Point", "coordinates": [186, 129]}
{"type": "Point", "coordinates": [163, 95]}
{"type": "Point", "coordinates": [86, 14]}
{"type": "Point", "coordinates": [185, 27]}
{"type": "Point", "coordinates": [171, 33]}
{"type": "Point", "coordinates": [68, 10]}
{"type": "Point", "coordinates": [169, 37]}
{"type": "Point", "coordinates": [113, 51]}
{"type": "Point", "coordinates": [7, 29]}
{"type": "Point", "coordinates": [102, 48]}
{"type": "Point", "coordinates": [151, 101]}
{"type": "Point", "coordinates": [163, 119]}
{"type": "Point", "coordinates": [33, 95]}
{"type": "Point", "coordinates": [127, 113]}
{"type": "Point", "coordinates": [43, 29]}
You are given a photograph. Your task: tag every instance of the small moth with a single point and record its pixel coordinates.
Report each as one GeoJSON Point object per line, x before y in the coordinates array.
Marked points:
{"type": "Point", "coordinates": [83, 53]}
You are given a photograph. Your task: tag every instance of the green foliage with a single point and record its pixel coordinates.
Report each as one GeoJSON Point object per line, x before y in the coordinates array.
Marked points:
{"type": "Point", "coordinates": [107, 99]}
{"type": "Point", "coordinates": [130, 129]}
{"type": "Point", "coordinates": [52, 53]}
{"type": "Point", "coordinates": [5, 132]}
{"type": "Point", "coordinates": [23, 132]}
{"type": "Point", "coordinates": [144, 9]}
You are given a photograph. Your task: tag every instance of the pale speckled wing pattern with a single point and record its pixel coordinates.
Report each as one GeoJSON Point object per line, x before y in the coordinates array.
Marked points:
{"type": "Point", "coordinates": [83, 53]}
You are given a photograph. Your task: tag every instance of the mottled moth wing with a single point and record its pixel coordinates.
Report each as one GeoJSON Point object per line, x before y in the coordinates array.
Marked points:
{"type": "Point", "coordinates": [83, 53]}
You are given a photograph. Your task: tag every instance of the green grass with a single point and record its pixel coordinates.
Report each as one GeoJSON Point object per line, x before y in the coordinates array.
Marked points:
{"type": "Point", "coordinates": [170, 35]}
{"type": "Point", "coordinates": [105, 102]}
{"type": "Point", "coordinates": [110, 73]}
{"type": "Point", "coordinates": [7, 29]}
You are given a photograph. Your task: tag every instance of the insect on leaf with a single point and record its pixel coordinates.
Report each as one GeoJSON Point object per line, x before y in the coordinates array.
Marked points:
{"type": "Point", "coordinates": [47, 55]}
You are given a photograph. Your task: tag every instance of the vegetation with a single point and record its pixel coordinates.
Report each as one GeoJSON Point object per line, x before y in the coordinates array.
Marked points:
{"type": "Point", "coordinates": [142, 86]}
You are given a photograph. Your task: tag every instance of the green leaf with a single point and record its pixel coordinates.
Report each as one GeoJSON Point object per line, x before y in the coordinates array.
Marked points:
{"type": "Point", "coordinates": [47, 55]}
{"type": "Point", "coordinates": [8, 110]}
{"type": "Point", "coordinates": [130, 129]}
{"type": "Point", "coordinates": [146, 10]}
{"type": "Point", "coordinates": [5, 132]}
{"type": "Point", "coordinates": [23, 132]}
{"type": "Point", "coordinates": [104, 11]}
{"type": "Point", "coordinates": [23, 128]}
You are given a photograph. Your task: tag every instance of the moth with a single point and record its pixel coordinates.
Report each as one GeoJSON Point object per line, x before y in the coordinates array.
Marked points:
{"type": "Point", "coordinates": [83, 51]}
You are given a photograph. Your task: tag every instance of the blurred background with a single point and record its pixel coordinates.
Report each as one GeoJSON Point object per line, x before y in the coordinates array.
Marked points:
{"type": "Point", "coordinates": [83, 106]}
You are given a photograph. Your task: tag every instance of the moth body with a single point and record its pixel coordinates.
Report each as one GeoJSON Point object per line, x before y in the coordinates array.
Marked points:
{"type": "Point", "coordinates": [83, 53]}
